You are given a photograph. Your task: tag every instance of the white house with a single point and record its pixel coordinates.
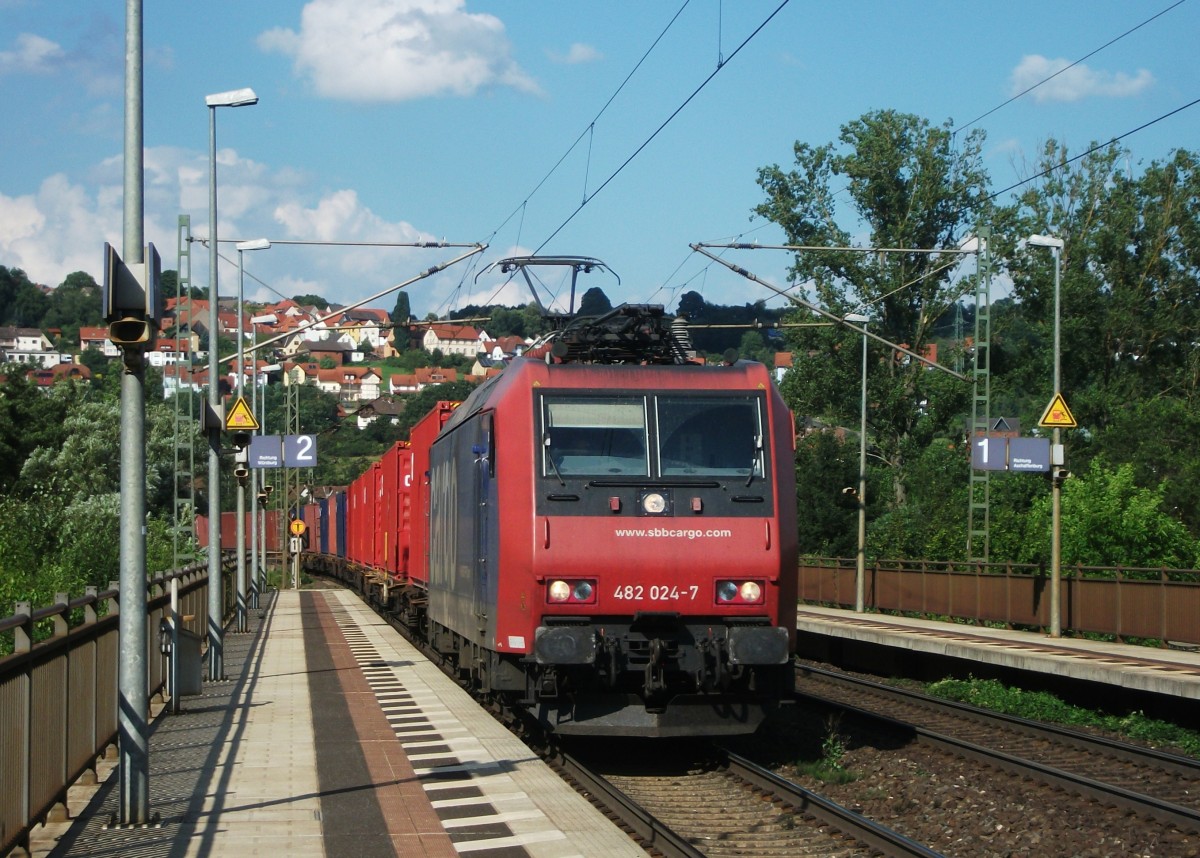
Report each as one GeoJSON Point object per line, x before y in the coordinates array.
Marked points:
{"type": "Point", "coordinates": [452, 339]}
{"type": "Point", "coordinates": [97, 338]}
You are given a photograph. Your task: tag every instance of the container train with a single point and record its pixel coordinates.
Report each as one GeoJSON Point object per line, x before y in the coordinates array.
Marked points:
{"type": "Point", "coordinates": [603, 536]}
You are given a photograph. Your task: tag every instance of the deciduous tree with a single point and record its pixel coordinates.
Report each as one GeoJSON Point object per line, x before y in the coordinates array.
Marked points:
{"type": "Point", "coordinates": [910, 186]}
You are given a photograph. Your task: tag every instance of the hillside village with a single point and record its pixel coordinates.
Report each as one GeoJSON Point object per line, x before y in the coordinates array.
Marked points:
{"type": "Point", "coordinates": [337, 351]}
{"type": "Point", "coordinates": [341, 351]}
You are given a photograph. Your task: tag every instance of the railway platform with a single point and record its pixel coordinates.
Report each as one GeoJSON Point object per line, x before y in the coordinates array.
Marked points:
{"type": "Point", "coordinates": [331, 735]}
{"type": "Point", "coordinates": [894, 644]}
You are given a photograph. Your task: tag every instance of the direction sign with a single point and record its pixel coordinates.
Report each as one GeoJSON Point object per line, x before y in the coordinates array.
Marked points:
{"type": "Point", "coordinates": [300, 451]}
{"type": "Point", "coordinates": [266, 451]}
{"type": "Point", "coordinates": [1029, 454]}
{"type": "Point", "coordinates": [1057, 415]}
{"type": "Point", "coordinates": [240, 418]}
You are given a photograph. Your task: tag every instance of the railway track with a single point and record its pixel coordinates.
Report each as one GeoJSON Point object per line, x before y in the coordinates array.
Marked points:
{"type": "Point", "coordinates": [1145, 782]}
{"type": "Point", "coordinates": [923, 781]}
{"type": "Point", "coordinates": [709, 802]}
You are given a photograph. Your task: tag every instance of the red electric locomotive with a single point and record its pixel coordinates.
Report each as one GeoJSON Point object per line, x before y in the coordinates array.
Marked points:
{"type": "Point", "coordinates": [603, 536]}
{"type": "Point", "coordinates": [611, 536]}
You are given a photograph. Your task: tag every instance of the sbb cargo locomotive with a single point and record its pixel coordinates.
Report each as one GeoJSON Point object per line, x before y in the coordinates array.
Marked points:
{"type": "Point", "coordinates": [603, 536]}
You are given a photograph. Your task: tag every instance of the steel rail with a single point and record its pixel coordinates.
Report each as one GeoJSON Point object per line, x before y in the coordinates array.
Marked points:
{"type": "Point", "coordinates": [1164, 811]}
{"type": "Point", "coordinates": [652, 833]}
{"type": "Point", "coordinates": [866, 831]}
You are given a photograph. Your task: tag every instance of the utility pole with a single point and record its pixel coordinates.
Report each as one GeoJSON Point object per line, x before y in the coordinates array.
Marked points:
{"type": "Point", "coordinates": [130, 306]}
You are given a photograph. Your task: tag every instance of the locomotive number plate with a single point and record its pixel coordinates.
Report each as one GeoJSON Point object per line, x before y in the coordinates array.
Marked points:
{"type": "Point", "coordinates": [655, 593]}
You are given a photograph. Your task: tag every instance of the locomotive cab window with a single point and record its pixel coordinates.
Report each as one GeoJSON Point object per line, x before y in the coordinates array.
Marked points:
{"type": "Point", "coordinates": [594, 436]}
{"type": "Point", "coordinates": [709, 436]}
{"type": "Point", "coordinates": [659, 436]}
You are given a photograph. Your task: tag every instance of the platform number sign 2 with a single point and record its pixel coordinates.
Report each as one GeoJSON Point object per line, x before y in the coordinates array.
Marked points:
{"type": "Point", "coordinates": [300, 451]}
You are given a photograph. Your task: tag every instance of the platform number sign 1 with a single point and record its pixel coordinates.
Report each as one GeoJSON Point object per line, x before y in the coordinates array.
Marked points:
{"type": "Point", "coordinates": [300, 451]}
{"type": "Point", "coordinates": [989, 453]}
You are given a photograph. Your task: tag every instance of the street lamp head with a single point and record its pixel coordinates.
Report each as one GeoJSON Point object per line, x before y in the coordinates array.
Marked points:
{"type": "Point", "coordinates": [233, 98]}
{"type": "Point", "coordinates": [856, 317]}
{"type": "Point", "coordinates": [1044, 241]}
{"type": "Point", "coordinates": [265, 319]}
{"type": "Point", "coordinates": [253, 244]}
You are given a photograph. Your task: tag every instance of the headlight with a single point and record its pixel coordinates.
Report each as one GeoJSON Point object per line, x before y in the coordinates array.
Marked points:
{"type": "Point", "coordinates": [577, 591]}
{"type": "Point", "coordinates": [654, 503]}
{"type": "Point", "coordinates": [739, 592]}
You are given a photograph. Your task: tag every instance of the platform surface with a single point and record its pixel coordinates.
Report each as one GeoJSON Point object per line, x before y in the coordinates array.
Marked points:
{"type": "Point", "coordinates": [331, 736]}
{"type": "Point", "coordinates": [1166, 671]}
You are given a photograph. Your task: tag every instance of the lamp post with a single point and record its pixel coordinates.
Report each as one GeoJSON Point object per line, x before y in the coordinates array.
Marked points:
{"type": "Point", "coordinates": [216, 662]}
{"type": "Point", "coordinates": [860, 568]}
{"type": "Point", "coordinates": [242, 247]}
{"type": "Point", "coordinates": [1057, 457]}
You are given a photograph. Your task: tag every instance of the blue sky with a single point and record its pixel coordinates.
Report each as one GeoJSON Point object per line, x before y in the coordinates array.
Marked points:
{"type": "Point", "coordinates": [411, 120]}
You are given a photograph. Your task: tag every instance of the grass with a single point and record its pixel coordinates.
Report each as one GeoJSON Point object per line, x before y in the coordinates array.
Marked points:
{"type": "Point", "coordinates": [829, 768]}
{"type": "Point", "coordinates": [1042, 706]}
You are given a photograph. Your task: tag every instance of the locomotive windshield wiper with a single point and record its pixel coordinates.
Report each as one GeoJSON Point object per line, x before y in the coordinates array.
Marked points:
{"type": "Point", "coordinates": [754, 458]}
{"type": "Point", "coordinates": [550, 456]}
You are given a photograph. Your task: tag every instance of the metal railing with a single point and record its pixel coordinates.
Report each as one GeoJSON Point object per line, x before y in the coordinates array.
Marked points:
{"type": "Point", "coordinates": [1126, 602]}
{"type": "Point", "coordinates": [58, 695]}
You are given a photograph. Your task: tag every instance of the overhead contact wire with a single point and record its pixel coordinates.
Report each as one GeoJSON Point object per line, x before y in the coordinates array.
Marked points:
{"type": "Point", "coordinates": [664, 124]}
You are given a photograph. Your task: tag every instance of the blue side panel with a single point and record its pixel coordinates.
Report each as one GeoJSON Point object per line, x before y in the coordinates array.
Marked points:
{"type": "Point", "coordinates": [324, 510]}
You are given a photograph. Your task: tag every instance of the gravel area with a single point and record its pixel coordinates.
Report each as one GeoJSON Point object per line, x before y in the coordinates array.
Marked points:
{"type": "Point", "coordinates": [953, 805]}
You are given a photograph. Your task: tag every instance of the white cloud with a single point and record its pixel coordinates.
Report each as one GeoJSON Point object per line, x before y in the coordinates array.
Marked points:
{"type": "Point", "coordinates": [577, 54]}
{"type": "Point", "coordinates": [57, 230]}
{"type": "Point", "coordinates": [349, 274]}
{"type": "Point", "coordinates": [396, 50]}
{"type": "Point", "coordinates": [1075, 83]}
{"type": "Point", "coordinates": [62, 227]}
{"type": "Point", "coordinates": [341, 217]}
{"type": "Point", "coordinates": [33, 55]}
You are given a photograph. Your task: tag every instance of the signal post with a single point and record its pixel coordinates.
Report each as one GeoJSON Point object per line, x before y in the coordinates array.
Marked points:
{"type": "Point", "coordinates": [241, 422]}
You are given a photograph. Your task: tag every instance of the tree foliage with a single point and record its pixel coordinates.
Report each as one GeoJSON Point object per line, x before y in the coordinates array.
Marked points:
{"type": "Point", "coordinates": [910, 186]}
{"type": "Point", "coordinates": [311, 301]}
{"type": "Point", "coordinates": [716, 328]}
{"type": "Point", "coordinates": [402, 312]}
{"type": "Point", "coordinates": [594, 302]}
{"type": "Point", "coordinates": [75, 303]}
{"type": "Point", "coordinates": [1107, 519]}
{"type": "Point", "coordinates": [1129, 365]}
{"type": "Point", "coordinates": [22, 304]}
{"type": "Point", "coordinates": [60, 488]}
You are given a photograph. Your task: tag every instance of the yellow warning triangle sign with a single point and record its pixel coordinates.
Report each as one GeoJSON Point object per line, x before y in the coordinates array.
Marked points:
{"type": "Point", "coordinates": [1057, 415]}
{"type": "Point", "coordinates": [240, 418]}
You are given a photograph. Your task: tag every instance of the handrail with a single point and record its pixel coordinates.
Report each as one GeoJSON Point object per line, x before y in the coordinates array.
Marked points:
{"type": "Point", "coordinates": [1003, 566]}
{"type": "Point", "coordinates": [1160, 606]}
{"type": "Point", "coordinates": [58, 694]}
